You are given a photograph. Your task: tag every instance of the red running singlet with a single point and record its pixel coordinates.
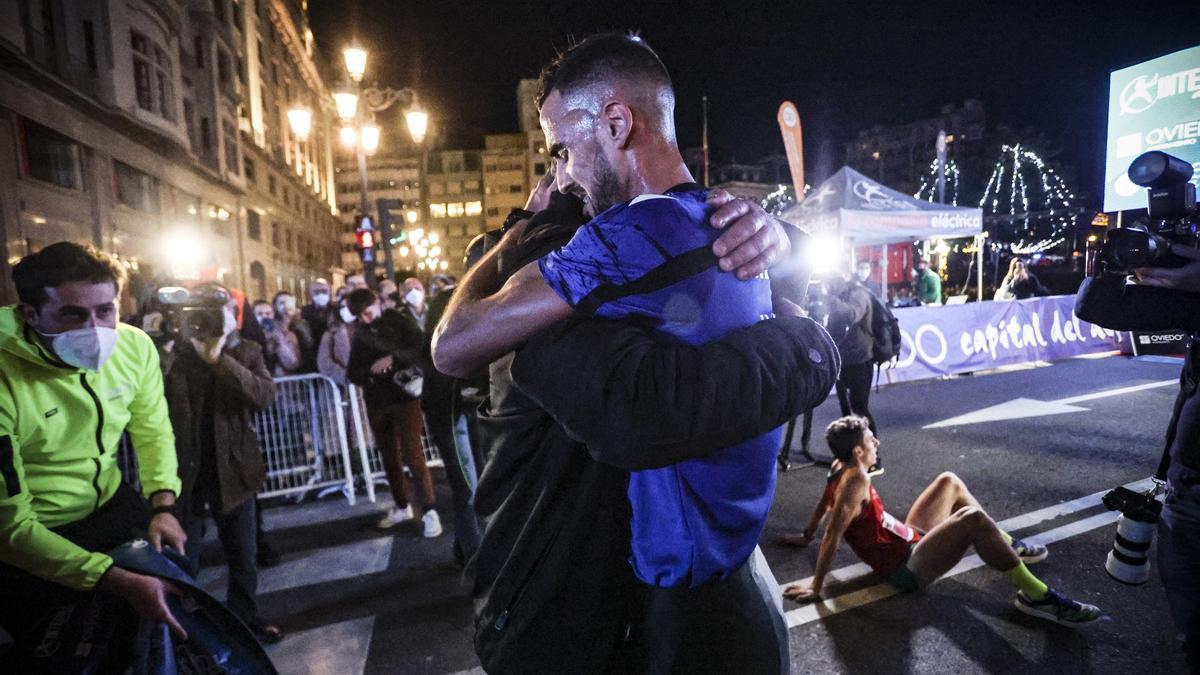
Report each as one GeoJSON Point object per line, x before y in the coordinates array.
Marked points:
{"type": "Point", "coordinates": [880, 539]}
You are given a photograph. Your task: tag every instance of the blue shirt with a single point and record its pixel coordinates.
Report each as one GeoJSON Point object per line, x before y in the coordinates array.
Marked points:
{"type": "Point", "coordinates": [699, 519]}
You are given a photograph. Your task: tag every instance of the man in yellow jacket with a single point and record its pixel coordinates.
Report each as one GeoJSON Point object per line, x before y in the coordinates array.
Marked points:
{"type": "Point", "coordinates": [72, 379]}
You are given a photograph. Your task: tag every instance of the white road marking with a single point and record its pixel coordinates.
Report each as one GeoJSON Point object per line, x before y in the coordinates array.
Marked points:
{"type": "Point", "coordinates": [313, 567]}
{"type": "Point", "coordinates": [828, 607]}
{"type": "Point", "coordinates": [1021, 408]}
{"type": "Point", "coordinates": [336, 649]}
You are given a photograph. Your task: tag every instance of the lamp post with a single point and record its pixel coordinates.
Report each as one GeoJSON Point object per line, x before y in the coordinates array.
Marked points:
{"type": "Point", "coordinates": [356, 107]}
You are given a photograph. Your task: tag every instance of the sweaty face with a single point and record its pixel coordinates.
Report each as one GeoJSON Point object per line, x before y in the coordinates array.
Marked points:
{"type": "Point", "coordinates": [73, 305]}
{"type": "Point", "coordinates": [582, 168]}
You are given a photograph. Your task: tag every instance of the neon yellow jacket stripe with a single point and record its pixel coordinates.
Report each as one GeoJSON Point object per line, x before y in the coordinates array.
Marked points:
{"type": "Point", "coordinates": [59, 430]}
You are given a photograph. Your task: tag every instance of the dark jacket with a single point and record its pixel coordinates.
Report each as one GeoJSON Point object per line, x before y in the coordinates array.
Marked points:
{"type": "Point", "coordinates": [552, 583]}
{"type": "Point", "coordinates": [241, 386]}
{"type": "Point", "coordinates": [1109, 302]}
{"type": "Point", "coordinates": [850, 322]}
{"type": "Point", "coordinates": [394, 333]}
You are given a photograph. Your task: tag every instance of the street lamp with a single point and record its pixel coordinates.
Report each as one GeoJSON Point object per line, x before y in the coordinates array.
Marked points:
{"type": "Point", "coordinates": [300, 119]}
{"type": "Point", "coordinates": [356, 107]}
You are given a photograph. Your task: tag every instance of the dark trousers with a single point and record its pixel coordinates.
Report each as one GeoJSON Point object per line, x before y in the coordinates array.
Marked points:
{"type": "Point", "coordinates": [238, 533]}
{"type": "Point", "coordinates": [854, 390]}
{"type": "Point", "coordinates": [27, 602]}
{"type": "Point", "coordinates": [727, 625]}
{"type": "Point", "coordinates": [460, 471]}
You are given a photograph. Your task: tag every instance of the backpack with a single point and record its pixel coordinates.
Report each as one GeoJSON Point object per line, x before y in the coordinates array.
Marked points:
{"type": "Point", "coordinates": [885, 332]}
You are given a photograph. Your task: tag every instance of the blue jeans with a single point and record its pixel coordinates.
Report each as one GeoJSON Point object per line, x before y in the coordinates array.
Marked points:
{"type": "Point", "coordinates": [1179, 567]}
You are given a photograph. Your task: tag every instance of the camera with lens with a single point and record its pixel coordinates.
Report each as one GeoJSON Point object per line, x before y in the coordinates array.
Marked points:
{"type": "Point", "coordinates": [1169, 237]}
{"type": "Point", "coordinates": [198, 313]}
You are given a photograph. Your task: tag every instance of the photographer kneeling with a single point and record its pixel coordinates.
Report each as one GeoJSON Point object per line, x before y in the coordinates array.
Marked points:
{"type": "Point", "coordinates": [72, 379]}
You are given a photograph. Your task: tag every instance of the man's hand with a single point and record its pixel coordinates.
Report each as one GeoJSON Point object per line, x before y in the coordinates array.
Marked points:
{"type": "Point", "coordinates": [539, 197]}
{"type": "Point", "coordinates": [165, 529]}
{"type": "Point", "coordinates": [753, 241]}
{"type": "Point", "coordinates": [382, 365]}
{"type": "Point", "coordinates": [209, 349]}
{"type": "Point", "coordinates": [146, 594]}
{"type": "Point", "coordinates": [785, 307]}
{"type": "Point", "coordinates": [1186, 278]}
{"type": "Point", "coordinates": [801, 593]}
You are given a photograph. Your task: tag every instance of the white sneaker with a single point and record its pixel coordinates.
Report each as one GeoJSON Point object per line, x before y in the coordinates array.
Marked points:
{"type": "Point", "coordinates": [394, 517]}
{"type": "Point", "coordinates": [433, 524]}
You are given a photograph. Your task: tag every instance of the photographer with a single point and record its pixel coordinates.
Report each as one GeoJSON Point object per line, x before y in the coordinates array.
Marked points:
{"type": "Point", "coordinates": [72, 379]}
{"type": "Point", "coordinates": [1166, 299]}
{"type": "Point", "coordinates": [215, 381]}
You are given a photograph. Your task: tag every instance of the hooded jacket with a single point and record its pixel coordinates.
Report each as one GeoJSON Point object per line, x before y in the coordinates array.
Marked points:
{"type": "Point", "coordinates": [59, 430]}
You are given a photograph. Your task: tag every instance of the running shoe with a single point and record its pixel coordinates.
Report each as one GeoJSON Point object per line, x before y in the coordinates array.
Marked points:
{"type": "Point", "coordinates": [1029, 552]}
{"type": "Point", "coordinates": [395, 516]}
{"type": "Point", "coordinates": [432, 524]}
{"type": "Point", "coordinates": [1057, 608]}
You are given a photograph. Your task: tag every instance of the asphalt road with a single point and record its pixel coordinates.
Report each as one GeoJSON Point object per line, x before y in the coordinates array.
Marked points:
{"type": "Point", "coordinates": [357, 600]}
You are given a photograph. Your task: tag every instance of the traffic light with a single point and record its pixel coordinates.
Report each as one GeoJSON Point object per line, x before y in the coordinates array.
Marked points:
{"type": "Point", "coordinates": [364, 235]}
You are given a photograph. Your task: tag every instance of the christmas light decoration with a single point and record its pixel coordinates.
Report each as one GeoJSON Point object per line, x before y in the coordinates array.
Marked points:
{"type": "Point", "coordinates": [1027, 203]}
{"type": "Point", "coordinates": [928, 189]}
{"type": "Point", "coordinates": [781, 199]}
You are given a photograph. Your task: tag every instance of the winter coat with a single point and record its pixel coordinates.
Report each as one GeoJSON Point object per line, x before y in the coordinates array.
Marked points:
{"type": "Point", "coordinates": [333, 356]}
{"type": "Point", "coordinates": [850, 323]}
{"type": "Point", "coordinates": [242, 386]}
{"type": "Point", "coordinates": [59, 431]}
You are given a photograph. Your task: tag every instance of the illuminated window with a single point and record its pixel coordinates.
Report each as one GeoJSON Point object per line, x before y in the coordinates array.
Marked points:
{"type": "Point", "coordinates": [437, 210]}
{"type": "Point", "coordinates": [474, 208]}
{"type": "Point", "coordinates": [455, 210]}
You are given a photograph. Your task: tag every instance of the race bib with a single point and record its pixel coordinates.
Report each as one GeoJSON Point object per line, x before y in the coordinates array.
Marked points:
{"type": "Point", "coordinates": [897, 527]}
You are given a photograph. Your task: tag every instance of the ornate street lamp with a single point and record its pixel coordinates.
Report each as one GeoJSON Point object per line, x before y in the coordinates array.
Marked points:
{"type": "Point", "coordinates": [300, 119]}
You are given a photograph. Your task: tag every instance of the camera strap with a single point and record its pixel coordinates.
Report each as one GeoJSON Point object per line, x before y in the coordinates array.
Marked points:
{"type": "Point", "coordinates": [1187, 389]}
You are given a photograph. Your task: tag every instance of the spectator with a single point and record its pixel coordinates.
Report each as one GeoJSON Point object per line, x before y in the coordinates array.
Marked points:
{"type": "Point", "coordinates": [388, 294]}
{"type": "Point", "coordinates": [929, 284]}
{"type": "Point", "coordinates": [1019, 283]}
{"type": "Point", "coordinates": [320, 313]}
{"type": "Point", "coordinates": [355, 282]}
{"type": "Point", "coordinates": [414, 300]}
{"type": "Point", "coordinates": [287, 316]}
{"type": "Point", "coordinates": [387, 344]}
{"type": "Point", "coordinates": [942, 524]}
{"type": "Point", "coordinates": [333, 355]}
{"type": "Point", "coordinates": [282, 352]}
{"type": "Point", "coordinates": [850, 326]}
{"type": "Point", "coordinates": [213, 387]}
{"type": "Point", "coordinates": [63, 504]}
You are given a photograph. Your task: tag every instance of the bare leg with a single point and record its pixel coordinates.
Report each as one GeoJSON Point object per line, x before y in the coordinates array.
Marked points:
{"type": "Point", "coordinates": [945, 544]}
{"type": "Point", "coordinates": [944, 496]}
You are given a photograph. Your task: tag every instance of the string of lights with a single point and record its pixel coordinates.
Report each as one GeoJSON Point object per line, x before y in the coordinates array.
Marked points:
{"type": "Point", "coordinates": [928, 189]}
{"type": "Point", "coordinates": [1028, 201]}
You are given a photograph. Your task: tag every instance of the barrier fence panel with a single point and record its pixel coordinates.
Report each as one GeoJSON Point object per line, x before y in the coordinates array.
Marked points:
{"type": "Point", "coordinates": [307, 437]}
{"type": "Point", "coordinates": [303, 435]}
{"type": "Point", "coordinates": [371, 461]}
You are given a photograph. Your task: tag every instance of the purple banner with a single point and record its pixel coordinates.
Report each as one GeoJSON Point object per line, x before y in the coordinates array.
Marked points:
{"type": "Point", "coordinates": [943, 340]}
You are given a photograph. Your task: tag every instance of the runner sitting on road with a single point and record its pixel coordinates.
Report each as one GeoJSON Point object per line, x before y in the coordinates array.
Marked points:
{"type": "Point", "coordinates": [911, 554]}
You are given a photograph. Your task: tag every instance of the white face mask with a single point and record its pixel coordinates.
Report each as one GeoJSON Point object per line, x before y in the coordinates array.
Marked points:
{"type": "Point", "coordinates": [346, 314]}
{"type": "Point", "coordinates": [320, 299]}
{"type": "Point", "coordinates": [86, 348]}
{"type": "Point", "coordinates": [230, 322]}
{"type": "Point", "coordinates": [414, 297]}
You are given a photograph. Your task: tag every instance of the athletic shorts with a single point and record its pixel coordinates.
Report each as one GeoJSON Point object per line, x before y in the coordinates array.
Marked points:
{"type": "Point", "coordinates": [902, 577]}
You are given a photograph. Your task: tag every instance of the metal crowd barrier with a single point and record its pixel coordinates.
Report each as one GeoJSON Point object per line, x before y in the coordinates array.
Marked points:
{"type": "Point", "coordinates": [303, 437]}
{"type": "Point", "coordinates": [306, 437]}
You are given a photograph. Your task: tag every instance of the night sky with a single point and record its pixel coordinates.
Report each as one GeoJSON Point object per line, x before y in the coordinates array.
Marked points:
{"type": "Point", "coordinates": [847, 65]}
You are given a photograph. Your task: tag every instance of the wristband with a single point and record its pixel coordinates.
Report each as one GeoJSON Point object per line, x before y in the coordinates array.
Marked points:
{"type": "Point", "coordinates": [166, 508]}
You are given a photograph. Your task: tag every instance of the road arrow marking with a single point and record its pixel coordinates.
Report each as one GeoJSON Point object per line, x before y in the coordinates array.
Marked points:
{"type": "Point", "coordinates": [1021, 408]}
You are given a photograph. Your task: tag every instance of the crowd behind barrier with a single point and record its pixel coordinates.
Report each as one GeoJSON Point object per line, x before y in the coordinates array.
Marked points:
{"type": "Point", "coordinates": [314, 437]}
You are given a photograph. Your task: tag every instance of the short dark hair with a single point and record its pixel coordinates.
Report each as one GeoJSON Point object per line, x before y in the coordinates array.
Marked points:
{"type": "Point", "coordinates": [844, 434]}
{"type": "Point", "coordinates": [598, 56]}
{"type": "Point", "coordinates": [62, 263]}
{"type": "Point", "coordinates": [360, 299]}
